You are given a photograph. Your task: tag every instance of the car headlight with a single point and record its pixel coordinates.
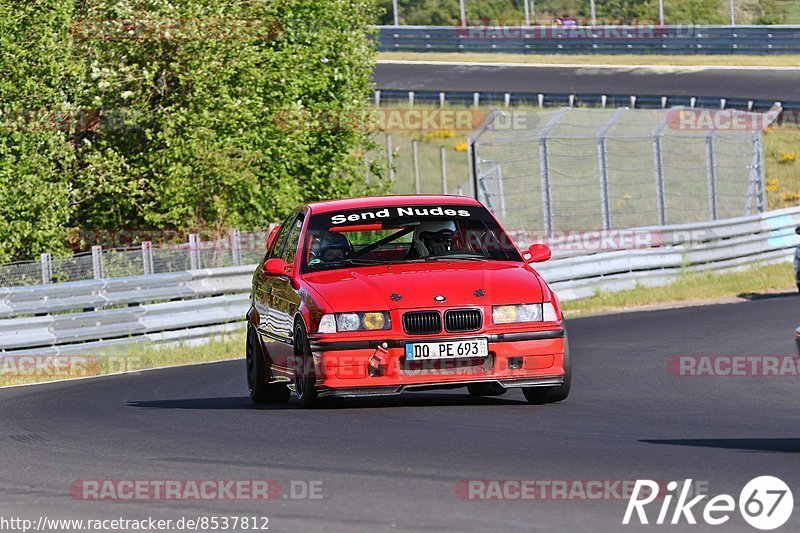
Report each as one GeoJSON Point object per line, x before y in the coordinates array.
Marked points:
{"type": "Point", "coordinates": [342, 322]}
{"type": "Point", "coordinates": [509, 314]}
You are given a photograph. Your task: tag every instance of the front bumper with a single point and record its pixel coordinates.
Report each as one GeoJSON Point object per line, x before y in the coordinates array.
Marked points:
{"type": "Point", "coordinates": [358, 367]}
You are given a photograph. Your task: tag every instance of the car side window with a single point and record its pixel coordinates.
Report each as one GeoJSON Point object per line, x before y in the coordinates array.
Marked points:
{"type": "Point", "coordinates": [280, 238]}
{"type": "Point", "coordinates": [293, 241]}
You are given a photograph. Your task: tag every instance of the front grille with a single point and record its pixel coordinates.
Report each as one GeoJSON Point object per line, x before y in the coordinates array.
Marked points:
{"type": "Point", "coordinates": [422, 322]}
{"type": "Point", "coordinates": [462, 320]}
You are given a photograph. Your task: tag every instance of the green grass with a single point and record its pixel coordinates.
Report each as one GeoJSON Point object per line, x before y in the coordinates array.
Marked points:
{"type": "Point", "coordinates": [133, 357]}
{"type": "Point", "coordinates": [691, 288]}
{"type": "Point", "coordinates": [782, 166]}
{"type": "Point", "coordinates": [622, 60]}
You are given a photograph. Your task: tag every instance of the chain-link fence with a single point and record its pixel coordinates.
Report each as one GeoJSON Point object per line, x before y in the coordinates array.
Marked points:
{"type": "Point", "coordinates": [572, 168]}
{"type": "Point", "coordinates": [234, 249]}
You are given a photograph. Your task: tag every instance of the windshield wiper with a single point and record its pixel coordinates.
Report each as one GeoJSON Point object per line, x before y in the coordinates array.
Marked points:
{"type": "Point", "coordinates": [453, 257]}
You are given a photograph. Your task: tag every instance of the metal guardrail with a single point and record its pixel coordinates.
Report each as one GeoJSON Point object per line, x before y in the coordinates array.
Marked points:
{"type": "Point", "coordinates": [576, 99]}
{"type": "Point", "coordinates": [619, 39]}
{"type": "Point", "coordinates": [94, 315]}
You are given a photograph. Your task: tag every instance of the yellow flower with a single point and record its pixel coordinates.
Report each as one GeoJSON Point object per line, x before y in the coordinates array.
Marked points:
{"type": "Point", "coordinates": [772, 185]}
{"type": "Point", "coordinates": [788, 157]}
{"type": "Point", "coordinates": [461, 146]}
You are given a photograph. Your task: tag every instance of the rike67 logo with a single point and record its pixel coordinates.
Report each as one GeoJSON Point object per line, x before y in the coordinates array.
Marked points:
{"type": "Point", "coordinates": [765, 503]}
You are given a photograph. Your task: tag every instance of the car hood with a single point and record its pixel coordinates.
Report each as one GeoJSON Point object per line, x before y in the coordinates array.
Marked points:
{"type": "Point", "coordinates": [412, 286]}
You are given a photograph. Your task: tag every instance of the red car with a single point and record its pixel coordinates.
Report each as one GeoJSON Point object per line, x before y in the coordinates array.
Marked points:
{"type": "Point", "coordinates": [381, 295]}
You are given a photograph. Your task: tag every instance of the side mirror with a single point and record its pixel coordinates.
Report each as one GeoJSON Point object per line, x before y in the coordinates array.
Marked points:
{"type": "Point", "coordinates": [277, 267]}
{"type": "Point", "coordinates": [537, 253]}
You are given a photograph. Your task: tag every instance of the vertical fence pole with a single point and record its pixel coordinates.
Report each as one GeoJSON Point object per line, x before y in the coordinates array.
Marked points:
{"type": "Point", "coordinates": [602, 162]}
{"type": "Point", "coordinates": [501, 190]}
{"type": "Point", "coordinates": [476, 99]}
{"type": "Point", "coordinates": [473, 172]}
{"type": "Point", "coordinates": [712, 175]}
{"type": "Point", "coordinates": [411, 98]}
{"type": "Point", "coordinates": [194, 251]}
{"type": "Point", "coordinates": [97, 261]}
{"type": "Point", "coordinates": [47, 268]}
{"type": "Point", "coordinates": [390, 157]}
{"type": "Point", "coordinates": [762, 182]}
{"type": "Point", "coordinates": [415, 154]}
{"type": "Point", "coordinates": [441, 99]}
{"type": "Point", "coordinates": [544, 170]}
{"type": "Point", "coordinates": [236, 246]}
{"type": "Point", "coordinates": [658, 166]}
{"type": "Point", "coordinates": [377, 97]}
{"type": "Point", "coordinates": [444, 170]}
{"type": "Point", "coordinates": [147, 258]}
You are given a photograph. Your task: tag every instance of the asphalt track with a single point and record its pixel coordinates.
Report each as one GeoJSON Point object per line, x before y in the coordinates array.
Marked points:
{"type": "Point", "coordinates": [746, 83]}
{"type": "Point", "coordinates": [393, 463]}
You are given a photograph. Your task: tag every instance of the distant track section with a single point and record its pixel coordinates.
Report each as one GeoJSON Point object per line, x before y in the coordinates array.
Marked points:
{"type": "Point", "coordinates": [748, 83]}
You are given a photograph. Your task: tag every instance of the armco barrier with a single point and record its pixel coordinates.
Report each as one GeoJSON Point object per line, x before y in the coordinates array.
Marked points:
{"type": "Point", "coordinates": [99, 314]}
{"type": "Point", "coordinates": [601, 39]}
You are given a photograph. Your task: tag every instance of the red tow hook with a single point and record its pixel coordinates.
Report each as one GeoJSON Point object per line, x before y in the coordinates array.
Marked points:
{"type": "Point", "coordinates": [378, 360]}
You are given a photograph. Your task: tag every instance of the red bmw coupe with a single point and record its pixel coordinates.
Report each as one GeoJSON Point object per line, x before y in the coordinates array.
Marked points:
{"type": "Point", "coordinates": [382, 295]}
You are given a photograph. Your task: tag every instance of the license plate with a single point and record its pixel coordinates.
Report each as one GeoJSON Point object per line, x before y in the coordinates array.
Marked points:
{"type": "Point", "coordinates": [418, 351]}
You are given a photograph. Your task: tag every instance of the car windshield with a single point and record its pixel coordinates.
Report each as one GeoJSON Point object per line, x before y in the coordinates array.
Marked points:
{"type": "Point", "coordinates": [399, 234]}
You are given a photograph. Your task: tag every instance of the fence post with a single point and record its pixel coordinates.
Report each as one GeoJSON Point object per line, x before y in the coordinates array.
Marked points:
{"type": "Point", "coordinates": [544, 170]}
{"type": "Point", "coordinates": [415, 154]}
{"type": "Point", "coordinates": [476, 98]}
{"type": "Point", "coordinates": [377, 97]}
{"type": "Point", "coordinates": [236, 246]}
{"type": "Point", "coordinates": [390, 157]}
{"type": "Point", "coordinates": [411, 98]}
{"type": "Point", "coordinates": [602, 161]}
{"type": "Point", "coordinates": [147, 257]}
{"type": "Point", "coordinates": [47, 268]}
{"type": "Point", "coordinates": [441, 99]}
{"type": "Point", "coordinates": [658, 165]}
{"type": "Point", "coordinates": [97, 261]}
{"type": "Point", "coordinates": [194, 251]}
{"type": "Point", "coordinates": [444, 170]}
{"type": "Point", "coordinates": [762, 182]}
{"type": "Point", "coordinates": [711, 173]}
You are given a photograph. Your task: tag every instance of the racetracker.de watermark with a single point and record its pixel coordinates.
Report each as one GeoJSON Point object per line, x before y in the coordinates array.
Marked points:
{"type": "Point", "coordinates": [554, 489]}
{"type": "Point", "coordinates": [698, 119]}
{"type": "Point", "coordinates": [400, 119]}
{"type": "Point", "coordinates": [733, 366]}
{"type": "Point", "coordinates": [137, 490]}
{"type": "Point", "coordinates": [571, 29]}
{"type": "Point", "coordinates": [23, 367]}
{"type": "Point", "coordinates": [592, 240]}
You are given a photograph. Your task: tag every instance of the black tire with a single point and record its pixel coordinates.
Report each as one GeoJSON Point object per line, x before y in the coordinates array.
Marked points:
{"type": "Point", "coordinates": [260, 390]}
{"type": "Point", "coordinates": [486, 389]}
{"type": "Point", "coordinates": [541, 395]}
{"type": "Point", "coordinates": [304, 378]}
{"type": "Point", "coordinates": [798, 287]}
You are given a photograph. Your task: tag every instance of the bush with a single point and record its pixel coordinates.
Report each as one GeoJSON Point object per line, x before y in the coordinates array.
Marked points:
{"type": "Point", "coordinates": [170, 117]}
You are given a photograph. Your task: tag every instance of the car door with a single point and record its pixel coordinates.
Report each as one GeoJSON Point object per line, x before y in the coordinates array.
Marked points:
{"type": "Point", "coordinates": [284, 299]}
{"type": "Point", "coordinates": [261, 287]}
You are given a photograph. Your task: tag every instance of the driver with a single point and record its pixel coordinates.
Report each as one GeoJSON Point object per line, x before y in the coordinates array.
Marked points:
{"type": "Point", "coordinates": [333, 246]}
{"type": "Point", "coordinates": [433, 238]}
